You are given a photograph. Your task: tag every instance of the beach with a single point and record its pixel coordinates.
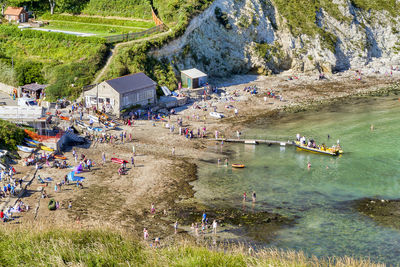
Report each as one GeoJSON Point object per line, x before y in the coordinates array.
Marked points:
{"type": "Point", "coordinates": [166, 162]}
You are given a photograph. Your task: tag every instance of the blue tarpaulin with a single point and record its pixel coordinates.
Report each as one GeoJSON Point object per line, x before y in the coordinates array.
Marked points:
{"type": "Point", "coordinates": [71, 177]}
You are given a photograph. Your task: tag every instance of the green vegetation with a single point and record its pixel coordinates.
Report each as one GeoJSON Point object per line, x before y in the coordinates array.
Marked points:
{"type": "Point", "coordinates": [10, 135]}
{"type": "Point", "coordinates": [126, 8]}
{"type": "Point", "coordinates": [136, 58]}
{"type": "Point", "coordinates": [391, 6]}
{"type": "Point", "coordinates": [65, 247]}
{"type": "Point", "coordinates": [222, 18]}
{"type": "Point", "coordinates": [58, 59]}
{"type": "Point", "coordinates": [99, 30]}
{"type": "Point", "coordinates": [97, 20]}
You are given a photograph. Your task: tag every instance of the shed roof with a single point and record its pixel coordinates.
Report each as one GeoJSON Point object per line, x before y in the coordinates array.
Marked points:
{"type": "Point", "coordinates": [132, 82]}
{"type": "Point", "coordinates": [194, 73]}
{"type": "Point", "coordinates": [13, 11]}
{"type": "Point", "coordinates": [34, 87]}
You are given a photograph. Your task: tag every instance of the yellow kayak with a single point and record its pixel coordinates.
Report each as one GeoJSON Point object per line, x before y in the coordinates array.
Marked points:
{"type": "Point", "coordinates": [46, 148]}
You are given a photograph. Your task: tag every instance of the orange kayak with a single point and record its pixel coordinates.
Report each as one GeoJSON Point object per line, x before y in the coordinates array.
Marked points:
{"type": "Point", "coordinates": [60, 157]}
{"type": "Point", "coordinates": [64, 118]}
{"type": "Point", "coordinates": [238, 166]}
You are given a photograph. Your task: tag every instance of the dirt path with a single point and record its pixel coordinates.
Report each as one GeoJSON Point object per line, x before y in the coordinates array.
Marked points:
{"type": "Point", "coordinates": [118, 46]}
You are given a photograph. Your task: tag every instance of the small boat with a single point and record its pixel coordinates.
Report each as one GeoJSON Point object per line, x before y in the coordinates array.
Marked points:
{"type": "Point", "coordinates": [60, 157]}
{"type": "Point", "coordinates": [64, 118]}
{"type": "Point", "coordinates": [320, 150]}
{"type": "Point", "coordinates": [238, 165]}
{"type": "Point", "coordinates": [26, 149]}
{"type": "Point", "coordinates": [119, 161]}
{"type": "Point", "coordinates": [216, 115]}
{"type": "Point", "coordinates": [95, 129]}
{"type": "Point", "coordinates": [81, 124]}
{"type": "Point", "coordinates": [32, 141]}
{"type": "Point", "coordinates": [46, 148]}
{"type": "Point", "coordinates": [30, 144]}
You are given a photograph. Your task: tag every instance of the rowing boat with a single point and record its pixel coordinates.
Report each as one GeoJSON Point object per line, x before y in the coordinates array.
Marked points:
{"type": "Point", "coordinates": [119, 161]}
{"type": "Point", "coordinates": [320, 150]}
{"type": "Point", "coordinates": [216, 115]}
{"type": "Point", "coordinates": [46, 148]}
{"type": "Point", "coordinates": [26, 149]}
{"type": "Point", "coordinates": [238, 165]}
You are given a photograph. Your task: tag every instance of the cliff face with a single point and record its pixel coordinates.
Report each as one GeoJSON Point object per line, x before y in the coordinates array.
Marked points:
{"type": "Point", "coordinates": [238, 36]}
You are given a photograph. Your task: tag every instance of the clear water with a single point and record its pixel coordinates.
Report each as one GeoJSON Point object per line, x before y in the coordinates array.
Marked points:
{"type": "Point", "coordinates": [326, 224]}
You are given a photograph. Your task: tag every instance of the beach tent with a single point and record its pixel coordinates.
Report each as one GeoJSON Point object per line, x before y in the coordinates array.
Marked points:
{"type": "Point", "coordinates": [71, 177]}
{"type": "Point", "coordinates": [78, 169]}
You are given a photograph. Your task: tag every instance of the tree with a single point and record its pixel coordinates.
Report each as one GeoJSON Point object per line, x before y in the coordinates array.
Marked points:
{"type": "Point", "coordinates": [3, 4]}
{"type": "Point", "coordinates": [52, 6]}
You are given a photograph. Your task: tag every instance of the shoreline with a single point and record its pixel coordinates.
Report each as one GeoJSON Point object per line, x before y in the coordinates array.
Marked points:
{"type": "Point", "coordinates": [162, 178]}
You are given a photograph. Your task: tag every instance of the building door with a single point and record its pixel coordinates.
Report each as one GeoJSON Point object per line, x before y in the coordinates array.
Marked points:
{"type": "Point", "coordinates": [189, 82]}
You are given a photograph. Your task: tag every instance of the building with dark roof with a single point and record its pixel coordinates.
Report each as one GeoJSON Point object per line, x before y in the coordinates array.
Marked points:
{"type": "Point", "coordinates": [123, 92]}
{"type": "Point", "coordinates": [34, 90]}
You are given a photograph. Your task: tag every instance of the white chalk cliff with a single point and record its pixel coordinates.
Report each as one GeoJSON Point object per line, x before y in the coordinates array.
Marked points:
{"type": "Point", "coordinates": [253, 36]}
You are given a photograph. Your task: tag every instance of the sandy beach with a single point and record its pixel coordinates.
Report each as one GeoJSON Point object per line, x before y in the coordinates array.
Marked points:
{"type": "Point", "coordinates": [163, 178]}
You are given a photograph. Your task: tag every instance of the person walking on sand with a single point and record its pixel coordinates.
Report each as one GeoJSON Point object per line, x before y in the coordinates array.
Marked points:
{"type": "Point", "coordinates": [214, 226]}
{"type": "Point", "coordinates": [152, 209]}
{"type": "Point", "coordinates": [134, 150]}
{"type": "Point", "coordinates": [173, 151]}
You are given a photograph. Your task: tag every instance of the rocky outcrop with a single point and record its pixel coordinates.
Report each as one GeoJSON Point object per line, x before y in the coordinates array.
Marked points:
{"type": "Point", "coordinates": [238, 36]}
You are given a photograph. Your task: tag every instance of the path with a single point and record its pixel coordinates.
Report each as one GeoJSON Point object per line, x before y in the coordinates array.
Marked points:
{"type": "Point", "coordinates": [119, 45]}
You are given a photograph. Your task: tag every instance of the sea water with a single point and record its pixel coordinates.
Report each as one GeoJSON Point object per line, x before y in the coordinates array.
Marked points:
{"type": "Point", "coordinates": [319, 199]}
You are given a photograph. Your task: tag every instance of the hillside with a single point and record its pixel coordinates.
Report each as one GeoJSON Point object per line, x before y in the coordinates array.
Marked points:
{"type": "Point", "coordinates": [238, 36]}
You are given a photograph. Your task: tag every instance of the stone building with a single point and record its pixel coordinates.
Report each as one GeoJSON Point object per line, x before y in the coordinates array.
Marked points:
{"type": "Point", "coordinates": [123, 92]}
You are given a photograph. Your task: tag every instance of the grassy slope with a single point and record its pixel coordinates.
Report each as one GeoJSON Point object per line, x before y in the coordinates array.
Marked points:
{"type": "Point", "coordinates": [66, 59]}
{"type": "Point", "coordinates": [123, 8]}
{"type": "Point", "coordinates": [109, 248]}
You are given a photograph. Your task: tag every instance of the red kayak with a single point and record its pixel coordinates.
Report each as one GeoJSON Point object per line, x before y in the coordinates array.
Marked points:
{"type": "Point", "coordinates": [119, 161]}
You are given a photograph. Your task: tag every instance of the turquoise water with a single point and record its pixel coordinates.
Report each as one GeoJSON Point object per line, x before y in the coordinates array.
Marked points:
{"type": "Point", "coordinates": [326, 224]}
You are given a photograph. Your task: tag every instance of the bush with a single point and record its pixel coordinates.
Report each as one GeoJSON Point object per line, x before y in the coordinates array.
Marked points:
{"type": "Point", "coordinates": [29, 72]}
{"type": "Point", "coordinates": [222, 18]}
{"type": "Point", "coordinates": [10, 135]}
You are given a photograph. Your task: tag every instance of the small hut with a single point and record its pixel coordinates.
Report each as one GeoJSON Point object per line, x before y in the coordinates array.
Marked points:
{"type": "Point", "coordinates": [193, 78]}
{"type": "Point", "coordinates": [17, 14]}
{"type": "Point", "coordinates": [34, 90]}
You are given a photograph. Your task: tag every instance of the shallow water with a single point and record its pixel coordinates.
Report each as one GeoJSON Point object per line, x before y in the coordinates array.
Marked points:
{"type": "Point", "coordinates": [326, 224]}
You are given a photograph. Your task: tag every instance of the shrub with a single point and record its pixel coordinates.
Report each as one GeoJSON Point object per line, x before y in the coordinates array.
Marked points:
{"type": "Point", "coordinates": [10, 135]}
{"type": "Point", "coordinates": [29, 72]}
{"type": "Point", "coordinates": [222, 18]}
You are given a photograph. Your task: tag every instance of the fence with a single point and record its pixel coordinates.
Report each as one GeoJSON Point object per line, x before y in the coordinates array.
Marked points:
{"type": "Point", "coordinates": [134, 35]}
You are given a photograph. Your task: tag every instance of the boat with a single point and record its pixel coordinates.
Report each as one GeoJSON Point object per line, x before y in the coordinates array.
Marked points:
{"type": "Point", "coordinates": [60, 157]}
{"type": "Point", "coordinates": [46, 148]}
{"type": "Point", "coordinates": [95, 129]}
{"type": "Point", "coordinates": [32, 141]}
{"type": "Point", "coordinates": [216, 115]}
{"type": "Point", "coordinates": [64, 118]}
{"type": "Point", "coordinates": [235, 165]}
{"type": "Point", "coordinates": [119, 161]}
{"type": "Point", "coordinates": [320, 150]}
{"type": "Point", "coordinates": [29, 144]}
{"type": "Point", "coordinates": [81, 124]}
{"type": "Point", "coordinates": [26, 149]}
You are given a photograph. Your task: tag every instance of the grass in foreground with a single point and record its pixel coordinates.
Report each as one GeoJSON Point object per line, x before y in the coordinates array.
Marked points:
{"type": "Point", "coordinates": [60, 247]}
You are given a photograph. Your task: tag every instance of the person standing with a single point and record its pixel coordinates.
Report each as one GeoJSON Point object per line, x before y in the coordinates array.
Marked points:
{"type": "Point", "coordinates": [176, 227]}
{"type": "Point", "coordinates": [103, 157]}
{"type": "Point", "coordinates": [214, 226]}
{"type": "Point", "coordinates": [173, 151]}
{"type": "Point", "coordinates": [254, 196]}
{"type": "Point", "coordinates": [133, 161]}
{"type": "Point", "coordinates": [134, 150]}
